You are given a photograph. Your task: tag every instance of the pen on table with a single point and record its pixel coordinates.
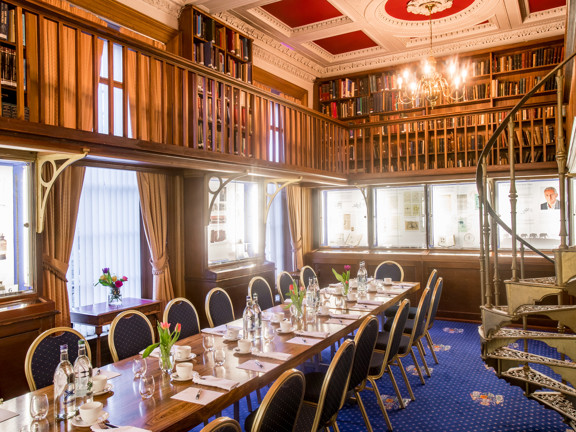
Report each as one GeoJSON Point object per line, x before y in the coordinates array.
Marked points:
{"type": "Point", "coordinates": [303, 340]}
{"type": "Point", "coordinates": [340, 321]}
{"type": "Point", "coordinates": [258, 364]}
{"type": "Point", "coordinates": [198, 394]}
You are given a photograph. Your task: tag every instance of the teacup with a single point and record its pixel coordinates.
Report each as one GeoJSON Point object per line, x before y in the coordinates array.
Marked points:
{"type": "Point", "coordinates": [334, 285]}
{"type": "Point", "coordinates": [99, 383]}
{"type": "Point", "coordinates": [324, 310]}
{"type": "Point", "coordinates": [286, 326]}
{"type": "Point", "coordinates": [352, 296]}
{"type": "Point", "coordinates": [233, 332]}
{"type": "Point", "coordinates": [277, 317]}
{"type": "Point", "coordinates": [338, 290]}
{"type": "Point", "coordinates": [183, 352]}
{"type": "Point", "coordinates": [184, 370]}
{"type": "Point", "coordinates": [89, 412]}
{"type": "Point", "coordinates": [387, 281]}
{"type": "Point", "coordinates": [244, 345]}
{"type": "Point", "coordinates": [353, 283]}
{"type": "Point", "coordinates": [372, 287]}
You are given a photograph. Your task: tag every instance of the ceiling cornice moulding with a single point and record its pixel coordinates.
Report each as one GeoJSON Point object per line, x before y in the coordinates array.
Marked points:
{"type": "Point", "coordinates": [333, 58]}
{"type": "Point", "coordinates": [555, 13]}
{"type": "Point", "coordinates": [443, 37]}
{"type": "Point", "coordinates": [278, 25]}
{"type": "Point", "coordinates": [287, 66]}
{"type": "Point", "coordinates": [170, 7]}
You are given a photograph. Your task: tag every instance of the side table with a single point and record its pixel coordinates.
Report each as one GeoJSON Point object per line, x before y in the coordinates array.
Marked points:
{"type": "Point", "coordinates": [100, 314]}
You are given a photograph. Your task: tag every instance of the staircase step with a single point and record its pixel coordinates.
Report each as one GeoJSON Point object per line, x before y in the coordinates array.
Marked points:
{"type": "Point", "coordinates": [529, 291]}
{"type": "Point", "coordinates": [566, 369]}
{"type": "Point", "coordinates": [494, 318]}
{"type": "Point", "coordinates": [565, 264]}
{"type": "Point", "coordinates": [557, 402]}
{"type": "Point", "coordinates": [538, 379]}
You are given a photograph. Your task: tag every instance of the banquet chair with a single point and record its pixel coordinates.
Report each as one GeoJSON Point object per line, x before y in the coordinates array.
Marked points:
{"type": "Point", "coordinates": [281, 406]}
{"type": "Point", "coordinates": [222, 424]}
{"type": "Point", "coordinates": [258, 285]}
{"type": "Point", "coordinates": [365, 341]}
{"type": "Point", "coordinates": [407, 342]}
{"type": "Point", "coordinates": [219, 308]}
{"type": "Point", "coordinates": [130, 333]}
{"type": "Point", "coordinates": [283, 283]}
{"type": "Point", "coordinates": [391, 311]}
{"type": "Point", "coordinates": [432, 317]}
{"type": "Point", "coordinates": [182, 311]}
{"type": "Point", "coordinates": [323, 414]}
{"type": "Point", "coordinates": [44, 355]}
{"type": "Point", "coordinates": [389, 269]}
{"type": "Point", "coordinates": [382, 360]}
{"type": "Point", "coordinates": [305, 274]}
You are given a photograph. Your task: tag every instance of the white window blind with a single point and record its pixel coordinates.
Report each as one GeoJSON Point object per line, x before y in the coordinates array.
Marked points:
{"type": "Point", "coordinates": [107, 235]}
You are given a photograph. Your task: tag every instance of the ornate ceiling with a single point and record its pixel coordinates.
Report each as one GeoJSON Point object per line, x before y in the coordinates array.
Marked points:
{"type": "Point", "coordinates": [319, 38]}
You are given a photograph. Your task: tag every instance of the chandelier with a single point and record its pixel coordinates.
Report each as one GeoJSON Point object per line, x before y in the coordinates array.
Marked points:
{"type": "Point", "coordinates": [432, 85]}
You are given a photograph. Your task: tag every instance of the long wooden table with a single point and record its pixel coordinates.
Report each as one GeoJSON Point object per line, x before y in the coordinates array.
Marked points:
{"type": "Point", "coordinates": [163, 414]}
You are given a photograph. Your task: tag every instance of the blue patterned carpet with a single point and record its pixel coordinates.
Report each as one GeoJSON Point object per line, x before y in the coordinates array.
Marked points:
{"type": "Point", "coordinates": [462, 394]}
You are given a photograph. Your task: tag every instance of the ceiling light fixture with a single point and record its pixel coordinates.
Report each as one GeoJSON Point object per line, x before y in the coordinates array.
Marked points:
{"type": "Point", "coordinates": [432, 85]}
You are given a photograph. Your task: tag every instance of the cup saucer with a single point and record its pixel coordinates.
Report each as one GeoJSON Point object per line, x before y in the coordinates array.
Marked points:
{"type": "Point", "coordinates": [175, 377]}
{"type": "Point", "coordinates": [237, 351]}
{"type": "Point", "coordinates": [77, 420]}
{"type": "Point", "coordinates": [190, 357]}
{"type": "Point", "coordinates": [323, 315]}
{"type": "Point", "coordinates": [280, 332]}
{"type": "Point", "coordinates": [227, 339]}
{"type": "Point", "coordinates": [105, 390]}
{"type": "Point", "coordinates": [351, 301]}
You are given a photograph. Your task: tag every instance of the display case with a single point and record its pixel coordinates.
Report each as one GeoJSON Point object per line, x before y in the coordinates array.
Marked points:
{"type": "Point", "coordinates": [400, 217]}
{"type": "Point", "coordinates": [344, 219]}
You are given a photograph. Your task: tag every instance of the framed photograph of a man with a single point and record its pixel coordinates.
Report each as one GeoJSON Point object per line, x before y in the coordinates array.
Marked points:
{"type": "Point", "coordinates": [551, 196]}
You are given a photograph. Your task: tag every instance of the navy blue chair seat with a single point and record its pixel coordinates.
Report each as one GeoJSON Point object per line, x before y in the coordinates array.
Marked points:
{"type": "Point", "coordinates": [219, 308]}
{"type": "Point", "coordinates": [392, 310]}
{"type": "Point", "coordinates": [382, 342]}
{"type": "Point", "coordinates": [259, 285]}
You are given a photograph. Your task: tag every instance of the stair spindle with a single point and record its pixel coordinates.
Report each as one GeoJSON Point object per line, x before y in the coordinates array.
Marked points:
{"type": "Point", "coordinates": [496, 280]}
{"type": "Point", "coordinates": [521, 260]}
{"type": "Point", "coordinates": [513, 199]}
{"type": "Point", "coordinates": [561, 157]}
{"type": "Point", "coordinates": [487, 284]}
{"type": "Point", "coordinates": [482, 270]}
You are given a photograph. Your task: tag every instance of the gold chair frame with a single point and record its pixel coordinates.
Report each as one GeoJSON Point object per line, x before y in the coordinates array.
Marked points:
{"type": "Point", "coordinates": [221, 422]}
{"type": "Point", "coordinates": [391, 262]}
{"type": "Point", "coordinates": [302, 274]}
{"type": "Point", "coordinates": [207, 304]}
{"type": "Point", "coordinates": [255, 278]}
{"type": "Point", "coordinates": [113, 330]}
{"type": "Point", "coordinates": [278, 285]}
{"type": "Point", "coordinates": [270, 396]}
{"type": "Point", "coordinates": [173, 302]}
{"type": "Point", "coordinates": [32, 350]}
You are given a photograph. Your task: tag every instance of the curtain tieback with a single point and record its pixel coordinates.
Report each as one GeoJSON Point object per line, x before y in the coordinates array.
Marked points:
{"type": "Point", "coordinates": [56, 267]}
{"type": "Point", "coordinates": [297, 246]}
{"type": "Point", "coordinates": [159, 266]}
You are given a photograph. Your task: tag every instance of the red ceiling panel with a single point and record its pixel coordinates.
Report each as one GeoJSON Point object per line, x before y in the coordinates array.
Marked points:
{"type": "Point", "coordinates": [397, 9]}
{"type": "Point", "coordinates": [540, 5]}
{"type": "Point", "coordinates": [346, 42]}
{"type": "Point", "coordinates": [296, 13]}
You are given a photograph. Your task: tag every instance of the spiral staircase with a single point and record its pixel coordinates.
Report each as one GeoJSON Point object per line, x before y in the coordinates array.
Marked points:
{"type": "Point", "coordinates": [516, 366]}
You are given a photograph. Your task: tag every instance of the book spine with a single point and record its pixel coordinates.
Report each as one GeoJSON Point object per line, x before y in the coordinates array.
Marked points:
{"type": "Point", "coordinates": [3, 21]}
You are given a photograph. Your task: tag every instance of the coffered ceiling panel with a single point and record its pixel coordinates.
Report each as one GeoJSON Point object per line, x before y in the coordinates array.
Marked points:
{"type": "Point", "coordinates": [347, 42]}
{"type": "Point", "coordinates": [296, 13]}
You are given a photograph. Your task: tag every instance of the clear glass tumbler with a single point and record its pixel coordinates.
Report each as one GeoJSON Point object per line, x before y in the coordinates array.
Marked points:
{"type": "Point", "coordinates": [147, 386]}
{"type": "Point", "coordinates": [39, 407]}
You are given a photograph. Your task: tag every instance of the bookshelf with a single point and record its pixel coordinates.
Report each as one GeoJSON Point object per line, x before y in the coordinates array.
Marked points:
{"type": "Point", "coordinates": [219, 47]}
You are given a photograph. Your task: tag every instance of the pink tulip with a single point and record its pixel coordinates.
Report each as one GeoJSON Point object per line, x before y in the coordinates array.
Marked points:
{"type": "Point", "coordinates": [165, 326]}
{"type": "Point", "coordinates": [347, 267]}
{"type": "Point", "coordinates": [118, 283]}
{"type": "Point", "coordinates": [301, 288]}
{"type": "Point", "coordinates": [178, 327]}
{"type": "Point", "coordinates": [124, 278]}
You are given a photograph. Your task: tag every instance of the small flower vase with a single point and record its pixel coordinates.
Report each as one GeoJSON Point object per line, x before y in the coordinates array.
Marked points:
{"type": "Point", "coordinates": [346, 287]}
{"type": "Point", "coordinates": [114, 297]}
{"type": "Point", "coordinates": [166, 359]}
{"type": "Point", "coordinates": [297, 315]}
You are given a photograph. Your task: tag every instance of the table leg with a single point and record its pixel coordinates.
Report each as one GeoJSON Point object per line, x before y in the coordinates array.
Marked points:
{"type": "Point", "coordinates": [98, 348]}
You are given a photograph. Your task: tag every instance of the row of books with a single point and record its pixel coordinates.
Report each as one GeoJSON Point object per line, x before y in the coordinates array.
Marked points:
{"type": "Point", "coordinates": [224, 38]}
{"type": "Point", "coordinates": [525, 137]}
{"type": "Point", "coordinates": [206, 54]}
{"type": "Point", "coordinates": [522, 86]}
{"type": "Point", "coordinates": [8, 75]}
{"type": "Point", "coordinates": [528, 59]}
{"type": "Point", "coordinates": [480, 68]}
{"type": "Point", "coordinates": [9, 111]}
{"type": "Point", "coordinates": [7, 23]}
{"type": "Point", "coordinates": [527, 156]}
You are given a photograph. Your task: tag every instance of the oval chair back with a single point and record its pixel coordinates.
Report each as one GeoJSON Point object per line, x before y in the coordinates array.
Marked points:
{"type": "Point", "coordinates": [396, 331]}
{"type": "Point", "coordinates": [305, 274]}
{"type": "Point", "coordinates": [130, 333]}
{"type": "Point", "coordinates": [432, 279]}
{"type": "Point", "coordinates": [335, 385]}
{"type": "Point", "coordinates": [365, 341]}
{"type": "Point", "coordinates": [280, 408]}
{"type": "Point", "coordinates": [44, 355]}
{"type": "Point", "coordinates": [222, 424]}
{"type": "Point", "coordinates": [259, 285]}
{"type": "Point", "coordinates": [389, 269]}
{"type": "Point", "coordinates": [283, 283]}
{"type": "Point", "coordinates": [182, 311]}
{"type": "Point", "coordinates": [420, 318]}
{"type": "Point", "coordinates": [434, 303]}
{"type": "Point", "coordinates": [219, 309]}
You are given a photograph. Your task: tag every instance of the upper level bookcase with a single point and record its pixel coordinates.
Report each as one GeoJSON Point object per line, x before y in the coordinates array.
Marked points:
{"type": "Point", "coordinates": [496, 78]}
{"type": "Point", "coordinates": [220, 47]}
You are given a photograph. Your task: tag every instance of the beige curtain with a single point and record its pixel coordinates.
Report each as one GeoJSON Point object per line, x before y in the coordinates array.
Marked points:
{"type": "Point", "coordinates": [307, 221]}
{"type": "Point", "coordinates": [154, 206]}
{"type": "Point", "coordinates": [294, 200]}
{"type": "Point", "coordinates": [175, 193]}
{"type": "Point", "coordinates": [59, 228]}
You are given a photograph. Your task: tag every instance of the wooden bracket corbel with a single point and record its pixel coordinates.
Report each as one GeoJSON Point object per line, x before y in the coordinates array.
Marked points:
{"type": "Point", "coordinates": [363, 189]}
{"type": "Point", "coordinates": [43, 187]}
{"type": "Point", "coordinates": [221, 185]}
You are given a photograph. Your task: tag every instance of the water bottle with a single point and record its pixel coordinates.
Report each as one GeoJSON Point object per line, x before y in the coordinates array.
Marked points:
{"type": "Point", "coordinates": [313, 294]}
{"type": "Point", "coordinates": [83, 375]}
{"type": "Point", "coordinates": [64, 387]}
{"type": "Point", "coordinates": [362, 277]}
{"type": "Point", "coordinates": [248, 320]}
{"type": "Point", "coordinates": [257, 317]}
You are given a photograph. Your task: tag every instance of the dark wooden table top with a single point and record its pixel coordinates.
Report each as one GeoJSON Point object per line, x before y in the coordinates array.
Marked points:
{"type": "Point", "coordinates": [91, 313]}
{"type": "Point", "coordinates": [161, 413]}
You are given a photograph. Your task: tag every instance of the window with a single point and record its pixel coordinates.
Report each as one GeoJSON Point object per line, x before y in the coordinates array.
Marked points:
{"type": "Point", "coordinates": [107, 235]}
{"type": "Point", "coordinates": [103, 95]}
{"type": "Point", "coordinates": [399, 217]}
{"type": "Point", "coordinates": [344, 218]}
{"type": "Point", "coordinates": [537, 212]}
{"type": "Point", "coordinates": [454, 218]}
{"type": "Point", "coordinates": [233, 233]}
{"type": "Point", "coordinates": [15, 228]}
